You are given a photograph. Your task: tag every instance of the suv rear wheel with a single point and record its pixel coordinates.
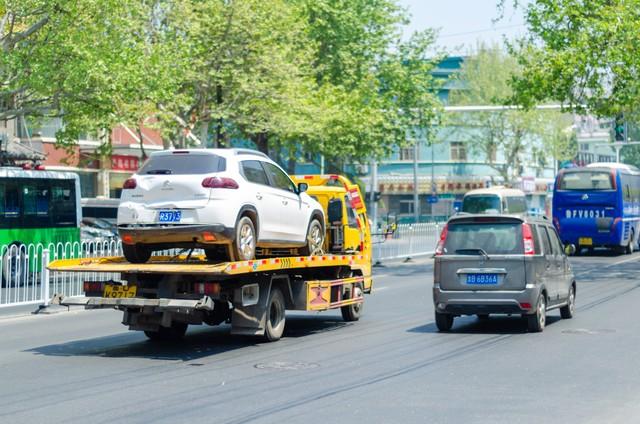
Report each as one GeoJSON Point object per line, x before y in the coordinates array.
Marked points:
{"type": "Point", "coordinates": [444, 322]}
{"type": "Point", "coordinates": [537, 320]}
{"type": "Point", "coordinates": [315, 239]}
{"type": "Point", "coordinates": [243, 247]}
{"type": "Point", "coordinates": [136, 254]}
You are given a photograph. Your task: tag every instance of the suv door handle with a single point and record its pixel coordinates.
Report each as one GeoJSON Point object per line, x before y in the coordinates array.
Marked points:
{"type": "Point", "coordinates": [258, 196]}
{"type": "Point", "coordinates": [285, 202]}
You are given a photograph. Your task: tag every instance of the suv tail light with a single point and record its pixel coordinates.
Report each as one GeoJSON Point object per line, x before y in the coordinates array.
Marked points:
{"type": "Point", "coordinates": [527, 239]}
{"type": "Point", "coordinates": [219, 182]}
{"type": "Point", "coordinates": [556, 223]}
{"type": "Point", "coordinates": [129, 184]}
{"type": "Point", "coordinates": [443, 239]}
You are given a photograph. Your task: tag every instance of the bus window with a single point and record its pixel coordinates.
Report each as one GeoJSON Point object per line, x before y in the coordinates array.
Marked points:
{"type": "Point", "coordinates": [516, 204]}
{"type": "Point", "coordinates": [12, 202]}
{"type": "Point", "coordinates": [35, 204]}
{"type": "Point", "coordinates": [586, 180]}
{"type": "Point", "coordinates": [63, 203]}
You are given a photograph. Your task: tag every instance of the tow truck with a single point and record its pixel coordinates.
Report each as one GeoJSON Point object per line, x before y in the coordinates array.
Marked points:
{"type": "Point", "coordinates": [167, 294]}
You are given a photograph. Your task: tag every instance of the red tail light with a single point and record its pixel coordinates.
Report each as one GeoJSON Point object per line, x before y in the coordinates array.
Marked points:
{"type": "Point", "coordinates": [27, 166]}
{"type": "Point", "coordinates": [40, 168]}
{"type": "Point", "coordinates": [615, 222]}
{"type": "Point", "coordinates": [93, 286]}
{"type": "Point", "coordinates": [527, 239]}
{"type": "Point", "coordinates": [614, 183]}
{"type": "Point", "coordinates": [130, 184]}
{"type": "Point", "coordinates": [210, 289]}
{"type": "Point", "coordinates": [219, 182]}
{"type": "Point", "coordinates": [443, 239]}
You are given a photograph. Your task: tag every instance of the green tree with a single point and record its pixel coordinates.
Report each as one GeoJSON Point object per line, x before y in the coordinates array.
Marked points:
{"type": "Point", "coordinates": [581, 53]}
{"type": "Point", "coordinates": [484, 79]}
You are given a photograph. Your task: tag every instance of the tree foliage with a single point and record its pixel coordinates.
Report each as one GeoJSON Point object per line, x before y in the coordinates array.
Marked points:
{"type": "Point", "coordinates": [581, 53]}
{"type": "Point", "coordinates": [511, 133]}
{"type": "Point", "coordinates": [321, 76]}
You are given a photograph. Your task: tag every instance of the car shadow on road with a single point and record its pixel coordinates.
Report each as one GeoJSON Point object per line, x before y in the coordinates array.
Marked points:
{"type": "Point", "coordinates": [499, 324]}
{"type": "Point", "coordinates": [199, 342]}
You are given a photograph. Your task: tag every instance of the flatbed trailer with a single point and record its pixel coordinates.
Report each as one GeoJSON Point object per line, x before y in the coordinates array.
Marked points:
{"type": "Point", "coordinates": [168, 293]}
{"type": "Point", "coordinates": [165, 295]}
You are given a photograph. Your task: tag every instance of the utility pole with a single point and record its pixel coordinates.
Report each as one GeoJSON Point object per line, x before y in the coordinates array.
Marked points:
{"type": "Point", "coordinates": [416, 200]}
{"type": "Point", "coordinates": [372, 200]}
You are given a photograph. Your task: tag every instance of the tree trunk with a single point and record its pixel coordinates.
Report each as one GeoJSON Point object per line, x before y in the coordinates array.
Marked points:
{"type": "Point", "coordinates": [262, 142]}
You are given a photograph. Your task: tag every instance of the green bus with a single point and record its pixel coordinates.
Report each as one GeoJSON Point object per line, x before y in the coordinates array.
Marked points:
{"type": "Point", "coordinates": [39, 209]}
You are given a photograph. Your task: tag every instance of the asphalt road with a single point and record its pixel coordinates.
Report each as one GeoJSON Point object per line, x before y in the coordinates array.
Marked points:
{"type": "Point", "coordinates": [392, 366]}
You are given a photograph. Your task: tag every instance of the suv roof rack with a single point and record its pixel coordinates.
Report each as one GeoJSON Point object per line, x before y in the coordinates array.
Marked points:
{"type": "Point", "coordinates": [249, 152]}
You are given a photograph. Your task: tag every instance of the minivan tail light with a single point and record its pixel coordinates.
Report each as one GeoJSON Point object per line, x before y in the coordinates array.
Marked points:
{"type": "Point", "coordinates": [527, 238]}
{"type": "Point", "coordinates": [219, 182]}
{"type": "Point", "coordinates": [443, 239]}
{"type": "Point", "coordinates": [130, 184]}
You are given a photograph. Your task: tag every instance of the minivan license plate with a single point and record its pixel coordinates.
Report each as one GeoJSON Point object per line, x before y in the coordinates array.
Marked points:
{"type": "Point", "coordinates": [482, 278]}
{"type": "Point", "coordinates": [170, 216]}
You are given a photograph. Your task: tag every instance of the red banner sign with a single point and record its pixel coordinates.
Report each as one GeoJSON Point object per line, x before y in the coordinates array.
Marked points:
{"type": "Point", "coordinates": [124, 163]}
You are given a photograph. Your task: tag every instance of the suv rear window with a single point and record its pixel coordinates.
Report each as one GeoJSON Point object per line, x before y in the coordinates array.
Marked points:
{"type": "Point", "coordinates": [497, 238]}
{"type": "Point", "coordinates": [183, 163]}
{"type": "Point", "coordinates": [481, 203]}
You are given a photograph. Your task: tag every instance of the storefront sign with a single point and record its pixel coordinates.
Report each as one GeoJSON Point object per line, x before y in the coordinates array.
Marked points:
{"type": "Point", "coordinates": [124, 163]}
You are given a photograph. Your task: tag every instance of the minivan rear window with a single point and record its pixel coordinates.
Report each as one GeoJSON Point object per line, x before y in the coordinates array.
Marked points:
{"type": "Point", "coordinates": [182, 164]}
{"type": "Point", "coordinates": [497, 238]}
{"type": "Point", "coordinates": [586, 180]}
{"type": "Point", "coordinates": [481, 203]}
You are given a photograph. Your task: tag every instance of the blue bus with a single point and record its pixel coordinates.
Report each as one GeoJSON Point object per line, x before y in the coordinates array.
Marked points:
{"type": "Point", "coordinates": [598, 206]}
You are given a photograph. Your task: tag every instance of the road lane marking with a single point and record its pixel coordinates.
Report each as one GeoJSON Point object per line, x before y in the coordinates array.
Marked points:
{"type": "Point", "coordinates": [634, 258]}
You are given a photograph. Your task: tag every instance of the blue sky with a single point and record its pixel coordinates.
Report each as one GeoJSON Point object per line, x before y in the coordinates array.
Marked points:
{"type": "Point", "coordinates": [463, 22]}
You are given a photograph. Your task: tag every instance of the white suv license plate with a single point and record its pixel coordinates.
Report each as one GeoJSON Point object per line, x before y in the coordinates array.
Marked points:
{"type": "Point", "coordinates": [482, 279]}
{"type": "Point", "coordinates": [169, 216]}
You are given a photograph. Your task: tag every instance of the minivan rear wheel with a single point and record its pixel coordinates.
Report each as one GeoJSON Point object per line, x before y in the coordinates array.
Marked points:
{"type": "Point", "coordinates": [569, 309]}
{"type": "Point", "coordinates": [537, 320]}
{"type": "Point", "coordinates": [444, 322]}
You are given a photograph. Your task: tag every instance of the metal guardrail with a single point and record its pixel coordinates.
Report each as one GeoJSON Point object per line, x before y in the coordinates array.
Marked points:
{"type": "Point", "coordinates": [407, 241]}
{"type": "Point", "coordinates": [25, 279]}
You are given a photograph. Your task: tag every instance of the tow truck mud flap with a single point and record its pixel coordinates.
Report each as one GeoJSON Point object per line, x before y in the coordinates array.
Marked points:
{"type": "Point", "coordinates": [250, 319]}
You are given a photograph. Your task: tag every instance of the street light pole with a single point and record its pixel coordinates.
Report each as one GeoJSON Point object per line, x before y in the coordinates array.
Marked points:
{"type": "Point", "coordinates": [416, 200]}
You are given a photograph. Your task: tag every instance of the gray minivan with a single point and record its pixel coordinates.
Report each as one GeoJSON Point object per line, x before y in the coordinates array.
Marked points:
{"type": "Point", "coordinates": [499, 264]}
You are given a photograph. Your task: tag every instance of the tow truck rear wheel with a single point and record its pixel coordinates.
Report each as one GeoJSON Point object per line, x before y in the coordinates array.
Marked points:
{"type": "Point", "coordinates": [168, 334]}
{"type": "Point", "coordinates": [274, 327]}
{"type": "Point", "coordinates": [353, 312]}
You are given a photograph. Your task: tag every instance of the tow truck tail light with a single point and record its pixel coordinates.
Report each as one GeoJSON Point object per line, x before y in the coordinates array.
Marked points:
{"type": "Point", "coordinates": [527, 239]}
{"type": "Point", "coordinates": [208, 289]}
{"type": "Point", "coordinates": [129, 184]}
{"type": "Point", "coordinates": [93, 286]}
{"type": "Point", "coordinates": [219, 182]}
{"type": "Point", "coordinates": [443, 239]}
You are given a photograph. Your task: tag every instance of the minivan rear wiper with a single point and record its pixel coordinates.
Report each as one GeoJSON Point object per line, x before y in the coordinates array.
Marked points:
{"type": "Point", "coordinates": [159, 171]}
{"type": "Point", "coordinates": [472, 252]}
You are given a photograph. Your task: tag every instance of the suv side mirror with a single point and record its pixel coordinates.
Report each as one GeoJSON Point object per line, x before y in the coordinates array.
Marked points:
{"type": "Point", "coordinates": [570, 249]}
{"type": "Point", "coordinates": [302, 187]}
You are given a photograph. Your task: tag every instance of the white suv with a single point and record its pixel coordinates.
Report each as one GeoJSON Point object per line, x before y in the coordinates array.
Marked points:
{"type": "Point", "coordinates": [226, 201]}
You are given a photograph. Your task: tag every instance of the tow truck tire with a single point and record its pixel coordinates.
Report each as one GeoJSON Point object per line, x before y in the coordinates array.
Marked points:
{"type": "Point", "coordinates": [315, 239]}
{"type": "Point", "coordinates": [168, 334]}
{"type": "Point", "coordinates": [444, 322]}
{"type": "Point", "coordinates": [274, 327]}
{"type": "Point", "coordinates": [136, 254]}
{"type": "Point", "coordinates": [353, 312]}
{"type": "Point", "coordinates": [243, 247]}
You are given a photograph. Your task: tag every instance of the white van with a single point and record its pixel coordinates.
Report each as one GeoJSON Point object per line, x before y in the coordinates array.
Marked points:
{"type": "Point", "coordinates": [495, 200]}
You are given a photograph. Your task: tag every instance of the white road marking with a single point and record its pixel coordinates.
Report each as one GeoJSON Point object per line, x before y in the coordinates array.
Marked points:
{"type": "Point", "coordinates": [634, 258]}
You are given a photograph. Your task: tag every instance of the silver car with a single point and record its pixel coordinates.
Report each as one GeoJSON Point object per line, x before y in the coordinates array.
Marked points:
{"type": "Point", "coordinates": [499, 264]}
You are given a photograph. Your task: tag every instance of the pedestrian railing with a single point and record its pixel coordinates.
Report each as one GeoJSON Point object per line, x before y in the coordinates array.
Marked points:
{"type": "Point", "coordinates": [26, 280]}
{"type": "Point", "coordinates": [407, 241]}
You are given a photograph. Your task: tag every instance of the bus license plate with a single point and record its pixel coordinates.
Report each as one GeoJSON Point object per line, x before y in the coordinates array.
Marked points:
{"type": "Point", "coordinates": [170, 216]}
{"type": "Point", "coordinates": [113, 291]}
{"type": "Point", "coordinates": [585, 241]}
{"type": "Point", "coordinates": [482, 279]}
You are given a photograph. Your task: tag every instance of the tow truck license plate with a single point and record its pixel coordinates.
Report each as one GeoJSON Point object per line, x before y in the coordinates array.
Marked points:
{"type": "Point", "coordinates": [114, 291]}
{"type": "Point", "coordinates": [169, 216]}
{"type": "Point", "coordinates": [482, 278]}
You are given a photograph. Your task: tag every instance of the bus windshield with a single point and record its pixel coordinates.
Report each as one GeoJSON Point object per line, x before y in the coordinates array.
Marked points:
{"type": "Point", "coordinates": [586, 180]}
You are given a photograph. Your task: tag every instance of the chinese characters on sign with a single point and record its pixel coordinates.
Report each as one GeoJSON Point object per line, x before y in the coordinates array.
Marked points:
{"type": "Point", "coordinates": [124, 163]}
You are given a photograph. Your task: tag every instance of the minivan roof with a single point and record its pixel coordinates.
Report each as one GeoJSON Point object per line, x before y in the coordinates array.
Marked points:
{"type": "Point", "coordinates": [499, 190]}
